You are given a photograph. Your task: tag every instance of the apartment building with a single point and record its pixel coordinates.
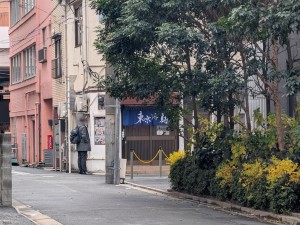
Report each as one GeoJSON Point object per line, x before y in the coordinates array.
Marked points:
{"type": "Point", "coordinates": [4, 67]}
{"type": "Point", "coordinates": [30, 80]}
{"type": "Point", "coordinates": [75, 65]}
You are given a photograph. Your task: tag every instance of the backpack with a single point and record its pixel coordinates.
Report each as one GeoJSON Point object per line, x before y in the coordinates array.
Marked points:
{"type": "Point", "coordinates": [74, 136]}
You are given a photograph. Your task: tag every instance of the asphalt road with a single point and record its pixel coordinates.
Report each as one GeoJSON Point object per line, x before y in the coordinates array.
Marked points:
{"type": "Point", "coordinates": [74, 199]}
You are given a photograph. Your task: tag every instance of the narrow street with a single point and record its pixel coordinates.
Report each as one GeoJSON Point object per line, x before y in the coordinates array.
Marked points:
{"type": "Point", "coordinates": [73, 199]}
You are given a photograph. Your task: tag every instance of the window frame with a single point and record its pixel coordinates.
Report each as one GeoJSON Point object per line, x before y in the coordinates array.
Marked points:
{"type": "Point", "coordinates": [44, 36]}
{"type": "Point", "coordinates": [29, 55]}
{"type": "Point", "coordinates": [57, 61]}
{"type": "Point", "coordinates": [28, 5]}
{"type": "Point", "coordinates": [15, 11]}
{"type": "Point", "coordinates": [78, 25]}
{"type": "Point", "coordinates": [16, 69]}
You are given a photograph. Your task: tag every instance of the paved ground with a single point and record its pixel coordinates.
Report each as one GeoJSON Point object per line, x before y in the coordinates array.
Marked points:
{"type": "Point", "coordinates": [161, 183]}
{"type": "Point", "coordinates": [9, 215]}
{"type": "Point", "coordinates": [73, 199]}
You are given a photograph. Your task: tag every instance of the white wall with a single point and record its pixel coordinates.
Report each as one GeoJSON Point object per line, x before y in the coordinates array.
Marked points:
{"type": "Point", "coordinates": [4, 38]}
{"type": "Point", "coordinates": [87, 53]}
{"type": "Point", "coordinates": [4, 58]}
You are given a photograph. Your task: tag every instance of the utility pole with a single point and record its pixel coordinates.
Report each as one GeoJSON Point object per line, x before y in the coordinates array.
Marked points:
{"type": "Point", "coordinates": [117, 144]}
{"type": "Point", "coordinates": [68, 91]}
{"type": "Point", "coordinates": [112, 137]}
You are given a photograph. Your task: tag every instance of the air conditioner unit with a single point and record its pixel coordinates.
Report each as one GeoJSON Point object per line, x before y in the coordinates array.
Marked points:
{"type": "Point", "coordinates": [43, 55]}
{"type": "Point", "coordinates": [81, 103]}
{"type": "Point", "coordinates": [62, 110]}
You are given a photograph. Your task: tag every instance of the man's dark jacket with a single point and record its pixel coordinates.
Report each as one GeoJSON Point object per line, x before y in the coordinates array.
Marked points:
{"type": "Point", "coordinates": [84, 145]}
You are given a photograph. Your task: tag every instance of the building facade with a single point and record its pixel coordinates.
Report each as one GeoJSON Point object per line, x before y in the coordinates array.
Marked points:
{"type": "Point", "coordinates": [30, 80]}
{"type": "Point", "coordinates": [4, 67]}
{"type": "Point", "coordinates": [75, 66]}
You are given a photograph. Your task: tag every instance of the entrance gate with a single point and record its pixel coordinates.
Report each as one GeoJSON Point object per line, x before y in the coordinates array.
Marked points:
{"type": "Point", "coordinates": [146, 141]}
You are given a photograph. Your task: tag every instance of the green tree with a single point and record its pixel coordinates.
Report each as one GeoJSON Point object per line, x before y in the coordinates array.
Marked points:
{"type": "Point", "coordinates": [265, 26]}
{"type": "Point", "coordinates": [170, 50]}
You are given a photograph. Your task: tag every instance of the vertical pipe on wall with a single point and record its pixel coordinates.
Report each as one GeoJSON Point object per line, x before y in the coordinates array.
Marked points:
{"type": "Point", "coordinates": [27, 127]}
{"type": "Point", "coordinates": [68, 92]}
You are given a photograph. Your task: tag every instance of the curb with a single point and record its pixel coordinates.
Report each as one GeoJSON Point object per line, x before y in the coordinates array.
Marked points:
{"type": "Point", "coordinates": [262, 215]}
{"type": "Point", "coordinates": [33, 215]}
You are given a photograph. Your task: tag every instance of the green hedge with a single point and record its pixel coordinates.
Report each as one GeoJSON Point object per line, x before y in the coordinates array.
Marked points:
{"type": "Point", "coordinates": [187, 176]}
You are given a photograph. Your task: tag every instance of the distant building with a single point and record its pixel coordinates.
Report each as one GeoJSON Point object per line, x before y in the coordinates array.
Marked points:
{"type": "Point", "coordinates": [74, 90]}
{"type": "Point", "coordinates": [4, 66]}
{"type": "Point", "coordinates": [30, 80]}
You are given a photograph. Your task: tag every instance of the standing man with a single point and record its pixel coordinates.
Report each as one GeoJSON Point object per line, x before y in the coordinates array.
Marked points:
{"type": "Point", "coordinates": [83, 146]}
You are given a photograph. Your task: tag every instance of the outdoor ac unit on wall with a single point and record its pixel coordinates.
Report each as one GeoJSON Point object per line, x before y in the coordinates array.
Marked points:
{"type": "Point", "coordinates": [42, 55]}
{"type": "Point", "coordinates": [81, 103]}
{"type": "Point", "coordinates": [62, 110]}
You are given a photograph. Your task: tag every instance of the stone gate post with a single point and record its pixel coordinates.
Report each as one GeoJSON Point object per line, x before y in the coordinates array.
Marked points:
{"type": "Point", "coordinates": [5, 170]}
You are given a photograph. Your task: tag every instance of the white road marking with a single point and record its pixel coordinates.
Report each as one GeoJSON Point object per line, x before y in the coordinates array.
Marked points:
{"type": "Point", "coordinates": [19, 173]}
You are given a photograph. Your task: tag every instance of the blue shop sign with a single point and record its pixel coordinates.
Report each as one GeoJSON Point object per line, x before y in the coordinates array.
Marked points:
{"type": "Point", "coordinates": [143, 117]}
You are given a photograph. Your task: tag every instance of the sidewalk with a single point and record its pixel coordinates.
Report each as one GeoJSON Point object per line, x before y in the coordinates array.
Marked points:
{"type": "Point", "coordinates": [150, 182]}
{"type": "Point", "coordinates": [8, 215]}
{"type": "Point", "coordinates": [162, 185]}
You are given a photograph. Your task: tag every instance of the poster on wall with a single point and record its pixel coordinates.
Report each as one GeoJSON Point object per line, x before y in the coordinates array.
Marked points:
{"type": "Point", "coordinates": [99, 130]}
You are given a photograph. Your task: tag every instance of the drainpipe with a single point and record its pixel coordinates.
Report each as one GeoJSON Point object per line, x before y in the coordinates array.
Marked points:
{"type": "Point", "coordinates": [38, 128]}
{"type": "Point", "coordinates": [27, 127]}
{"type": "Point", "coordinates": [86, 38]}
{"type": "Point", "coordinates": [85, 77]}
{"type": "Point", "coordinates": [68, 92]}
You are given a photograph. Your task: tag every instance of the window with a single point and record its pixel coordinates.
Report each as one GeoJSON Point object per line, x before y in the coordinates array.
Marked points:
{"type": "Point", "coordinates": [78, 25]}
{"type": "Point", "coordinates": [56, 63]}
{"type": "Point", "coordinates": [28, 5]}
{"type": "Point", "coordinates": [4, 17]}
{"type": "Point", "coordinates": [15, 12]}
{"type": "Point", "coordinates": [44, 36]}
{"type": "Point", "coordinates": [29, 62]}
{"type": "Point", "coordinates": [16, 69]}
{"type": "Point", "coordinates": [15, 9]}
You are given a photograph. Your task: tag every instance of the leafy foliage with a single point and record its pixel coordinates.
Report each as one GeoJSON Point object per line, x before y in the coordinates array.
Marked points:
{"type": "Point", "coordinates": [174, 157]}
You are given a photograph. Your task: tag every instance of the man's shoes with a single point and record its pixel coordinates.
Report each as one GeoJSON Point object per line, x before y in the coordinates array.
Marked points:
{"type": "Point", "coordinates": [85, 173]}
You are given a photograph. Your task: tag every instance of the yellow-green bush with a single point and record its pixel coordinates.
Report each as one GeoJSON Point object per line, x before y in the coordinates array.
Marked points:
{"type": "Point", "coordinates": [225, 173]}
{"type": "Point", "coordinates": [279, 168]}
{"type": "Point", "coordinates": [251, 172]}
{"type": "Point", "coordinates": [239, 152]}
{"type": "Point", "coordinates": [174, 157]}
{"type": "Point", "coordinates": [245, 167]}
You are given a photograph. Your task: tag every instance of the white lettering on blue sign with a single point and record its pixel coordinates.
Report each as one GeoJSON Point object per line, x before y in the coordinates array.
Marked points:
{"type": "Point", "coordinates": [153, 117]}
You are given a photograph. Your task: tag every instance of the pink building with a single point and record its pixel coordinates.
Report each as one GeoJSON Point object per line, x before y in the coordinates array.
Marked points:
{"type": "Point", "coordinates": [4, 66]}
{"type": "Point", "coordinates": [30, 80]}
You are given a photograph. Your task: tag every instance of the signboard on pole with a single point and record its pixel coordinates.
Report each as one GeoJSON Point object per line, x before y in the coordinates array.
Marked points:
{"type": "Point", "coordinates": [50, 141]}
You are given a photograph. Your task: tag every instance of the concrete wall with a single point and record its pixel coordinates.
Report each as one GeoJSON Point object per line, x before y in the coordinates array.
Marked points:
{"type": "Point", "coordinates": [5, 170]}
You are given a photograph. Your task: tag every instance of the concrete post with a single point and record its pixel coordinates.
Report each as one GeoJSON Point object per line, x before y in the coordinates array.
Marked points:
{"type": "Point", "coordinates": [5, 170]}
{"type": "Point", "coordinates": [160, 161]}
{"type": "Point", "coordinates": [131, 164]}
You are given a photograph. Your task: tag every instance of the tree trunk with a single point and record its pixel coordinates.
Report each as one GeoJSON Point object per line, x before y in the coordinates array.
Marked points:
{"type": "Point", "coordinates": [247, 113]}
{"type": "Point", "coordinates": [279, 128]}
{"type": "Point", "coordinates": [226, 121]}
{"type": "Point", "coordinates": [196, 119]}
{"type": "Point", "coordinates": [246, 106]}
{"type": "Point", "coordinates": [277, 102]}
{"type": "Point", "coordinates": [231, 113]}
{"type": "Point", "coordinates": [219, 116]}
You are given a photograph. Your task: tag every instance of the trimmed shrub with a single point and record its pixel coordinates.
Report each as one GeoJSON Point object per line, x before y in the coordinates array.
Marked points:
{"type": "Point", "coordinates": [283, 198]}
